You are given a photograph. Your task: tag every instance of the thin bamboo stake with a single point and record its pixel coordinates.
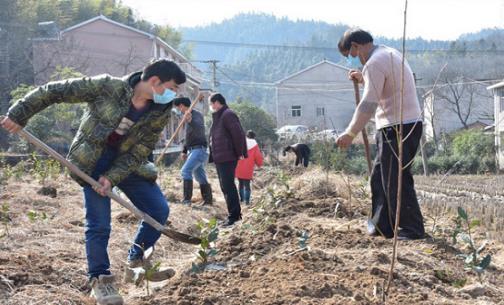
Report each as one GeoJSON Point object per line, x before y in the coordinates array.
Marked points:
{"type": "Point", "coordinates": [400, 161]}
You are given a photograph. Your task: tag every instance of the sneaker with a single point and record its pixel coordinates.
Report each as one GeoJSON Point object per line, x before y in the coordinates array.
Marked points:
{"type": "Point", "coordinates": [137, 269]}
{"type": "Point", "coordinates": [228, 223]}
{"type": "Point", "coordinates": [104, 291]}
{"type": "Point", "coordinates": [162, 275]}
{"type": "Point", "coordinates": [409, 236]}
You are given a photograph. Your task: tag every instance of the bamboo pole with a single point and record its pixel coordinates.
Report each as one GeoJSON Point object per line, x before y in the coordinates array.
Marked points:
{"type": "Point", "coordinates": [400, 160]}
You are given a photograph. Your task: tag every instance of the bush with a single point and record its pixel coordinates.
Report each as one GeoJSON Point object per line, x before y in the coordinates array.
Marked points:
{"type": "Point", "coordinates": [256, 119]}
{"type": "Point", "coordinates": [466, 152]}
{"type": "Point", "coordinates": [329, 157]}
{"type": "Point", "coordinates": [54, 125]}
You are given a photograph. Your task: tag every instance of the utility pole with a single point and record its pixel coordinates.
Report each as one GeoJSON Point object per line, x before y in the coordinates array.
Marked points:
{"type": "Point", "coordinates": [213, 64]}
{"type": "Point", "coordinates": [4, 68]}
{"type": "Point", "coordinates": [4, 80]}
{"type": "Point", "coordinates": [422, 139]}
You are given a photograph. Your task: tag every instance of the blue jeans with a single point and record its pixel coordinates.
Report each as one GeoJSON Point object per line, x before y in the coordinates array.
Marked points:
{"type": "Point", "coordinates": [144, 194]}
{"type": "Point", "coordinates": [195, 164]}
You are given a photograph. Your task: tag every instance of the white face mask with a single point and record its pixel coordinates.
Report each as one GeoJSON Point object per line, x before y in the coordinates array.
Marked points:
{"type": "Point", "coordinates": [177, 112]}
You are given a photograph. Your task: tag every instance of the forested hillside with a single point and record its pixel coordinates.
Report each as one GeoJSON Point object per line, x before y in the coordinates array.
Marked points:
{"type": "Point", "coordinates": [260, 48]}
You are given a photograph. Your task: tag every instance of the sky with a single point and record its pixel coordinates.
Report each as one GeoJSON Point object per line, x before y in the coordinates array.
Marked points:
{"type": "Point", "coordinates": [429, 19]}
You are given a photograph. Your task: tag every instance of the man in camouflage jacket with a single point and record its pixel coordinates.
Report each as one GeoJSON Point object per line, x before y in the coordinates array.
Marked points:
{"type": "Point", "coordinates": [116, 137]}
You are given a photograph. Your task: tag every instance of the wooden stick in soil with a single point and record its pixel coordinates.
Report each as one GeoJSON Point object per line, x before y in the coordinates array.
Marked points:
{"type": "Point", "coordinates": [179, 127]}
{"type": "Point", "coordinates": [138, 213]}
{"type": "Point", "coordinates": [400, 161]}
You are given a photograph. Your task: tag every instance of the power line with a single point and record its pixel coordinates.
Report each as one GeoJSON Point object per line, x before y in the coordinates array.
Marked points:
{"type": "Point", "coordinates": [234, 81]}
{"type": "Point", "coordinates": [319, 48]}
{"type": "Point", "coordinates": [275, 85]}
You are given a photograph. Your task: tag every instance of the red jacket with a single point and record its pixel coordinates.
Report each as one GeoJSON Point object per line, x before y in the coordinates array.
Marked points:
{"type": "Point", "coordinates": [245, 167]}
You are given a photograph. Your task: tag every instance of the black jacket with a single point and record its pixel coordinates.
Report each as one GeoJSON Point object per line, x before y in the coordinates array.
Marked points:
{"type": "Point", "coordinates": [302, 152]}
{"type": "Point", "coordinates": [195, 131]}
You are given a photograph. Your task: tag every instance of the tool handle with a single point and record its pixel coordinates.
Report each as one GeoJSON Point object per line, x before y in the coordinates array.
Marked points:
{"type": "Point", "coordinates": [364, 133]}
{"type": "Point", "coordinates": [133, 209]}
{"type": "Point", "coordinates": [179, 127]}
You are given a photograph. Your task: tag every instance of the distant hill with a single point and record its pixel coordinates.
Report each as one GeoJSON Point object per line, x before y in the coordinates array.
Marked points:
{"type": "Point", "coordinates": [485, 33]}
{"type": "Point", "coordinates": [261, 48]}
{"type": "Point", "coordinates": [250, 29]}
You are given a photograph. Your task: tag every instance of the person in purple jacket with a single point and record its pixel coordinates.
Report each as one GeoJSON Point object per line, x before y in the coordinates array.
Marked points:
{"type": "Point", "coordinates": [227, 145]}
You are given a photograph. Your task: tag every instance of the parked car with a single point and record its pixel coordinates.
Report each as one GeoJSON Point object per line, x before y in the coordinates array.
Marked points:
{"type": "Point", "coordinates": [327, 134]}
{"type": "Point", "coordinates": [292, 132]}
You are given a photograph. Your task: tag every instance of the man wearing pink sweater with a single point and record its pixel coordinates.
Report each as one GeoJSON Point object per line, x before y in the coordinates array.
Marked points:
{"type": "Point", "coordinates": [382, 79]}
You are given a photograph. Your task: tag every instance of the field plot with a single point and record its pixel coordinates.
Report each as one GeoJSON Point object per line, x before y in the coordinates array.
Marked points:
{"type": "Point", "coordinates": [302, 241]}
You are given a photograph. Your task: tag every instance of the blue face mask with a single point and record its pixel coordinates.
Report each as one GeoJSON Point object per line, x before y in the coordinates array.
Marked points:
{"type": "Point", "coordinates": [353, 61]}
{"type": "Point", "coordinates": [167, 96]}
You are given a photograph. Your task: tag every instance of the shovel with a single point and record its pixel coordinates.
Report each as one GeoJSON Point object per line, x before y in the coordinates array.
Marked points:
{"type": "Point", "coordinates": [175, 235]}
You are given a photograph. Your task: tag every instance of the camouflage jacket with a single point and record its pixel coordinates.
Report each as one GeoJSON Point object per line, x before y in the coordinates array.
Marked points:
{"type": "Point", "coordinates": [108, 101]}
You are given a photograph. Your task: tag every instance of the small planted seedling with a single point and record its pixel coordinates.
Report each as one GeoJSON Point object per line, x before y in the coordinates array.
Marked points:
{"type": "Point", "coordinates": [6, 173]}
{"type": "Point", "coordinates": [43, 169]}
{"type": "Point", "coordinates": [34, 215]}
{"type": "Point", "coordinates": [449, 277]}
{"type": "Point", "coordinates": [303, 240]}
{"type": "Point", "coordinates": [149, 273]}
{"type": "Point", "coordinates": [5, 219]}
{"type": "Point", "coordinates": [209, 233]}
{"type": "Point", "coordinates": [463, 231]}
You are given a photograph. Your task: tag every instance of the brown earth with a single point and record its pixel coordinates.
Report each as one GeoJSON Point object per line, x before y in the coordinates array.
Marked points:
{"type": "Point", "coordinates": [42, 257]}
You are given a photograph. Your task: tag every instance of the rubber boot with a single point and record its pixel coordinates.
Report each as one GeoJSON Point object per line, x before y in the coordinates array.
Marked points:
{"type": "Point", "coordinates": [206, 194]}
{"type": "Point", "coordinates": [188, 190]}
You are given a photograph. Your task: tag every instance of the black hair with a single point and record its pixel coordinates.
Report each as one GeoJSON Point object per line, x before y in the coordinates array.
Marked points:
{"type": "Point", "coordinates": [182, 101]}
{"type": "Point", "coordinates": [217, 97]}
{"type": "Point", "coordinates": [353, 35]}
{"type": "Point", "coordinates": [251, 134]}
{"type": "Point", "coordinates": [166, 70]}
{"type": "Point", "coordinates": [286, 149]}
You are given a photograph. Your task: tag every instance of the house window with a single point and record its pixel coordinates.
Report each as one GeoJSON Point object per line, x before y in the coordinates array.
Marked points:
{"type": "Point", "coordinates": [320, 111]}
{"type": "Point", "coordinates": [296, 111]}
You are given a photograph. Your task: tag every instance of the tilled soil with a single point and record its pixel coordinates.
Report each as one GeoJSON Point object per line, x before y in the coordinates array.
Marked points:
{"type": "Point", "coordinates": [310, 248]}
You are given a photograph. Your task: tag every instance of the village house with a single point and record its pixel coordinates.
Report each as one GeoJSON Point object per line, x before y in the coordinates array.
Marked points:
{"type": "Point", "coordinates": [320, 97]}
{"type": "Point", "coordinates": [498, 94]}
{"type": "Point", "coordinates": [101, 45]}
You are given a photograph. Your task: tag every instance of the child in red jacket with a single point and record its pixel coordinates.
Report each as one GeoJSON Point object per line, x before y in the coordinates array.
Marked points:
{"type": "Point", "coordinates": [245, 167]}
